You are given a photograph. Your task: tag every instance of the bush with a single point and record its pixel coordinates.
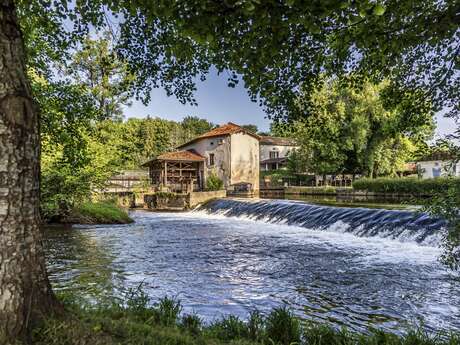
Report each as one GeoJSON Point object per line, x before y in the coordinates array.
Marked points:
{"type": "Point", "coordinates": [213, 182]}
{"type": "Point", "coordinates": [413, 186]}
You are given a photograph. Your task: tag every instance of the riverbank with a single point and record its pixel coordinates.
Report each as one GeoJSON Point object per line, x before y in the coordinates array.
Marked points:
{"type": "Point", "coordinates": [100, 212]}
{"type": "Point", "coordinates": [138, 321]}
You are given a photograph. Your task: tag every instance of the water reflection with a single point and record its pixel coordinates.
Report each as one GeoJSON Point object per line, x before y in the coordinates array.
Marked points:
{"type": "Point", "coordinates": [82, 262]}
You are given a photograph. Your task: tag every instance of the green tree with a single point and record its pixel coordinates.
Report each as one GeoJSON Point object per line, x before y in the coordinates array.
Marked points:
{"type": "Point", "coordinates": [194, 126]}
{"type": "Point", "coordinates": [352, 130]}
{"type": "Point", "coordinates": [73, 163]}
{"type": "Point", "coordinates": [251, 128]}
{"type": "Point", "coordinates": [108, 78]}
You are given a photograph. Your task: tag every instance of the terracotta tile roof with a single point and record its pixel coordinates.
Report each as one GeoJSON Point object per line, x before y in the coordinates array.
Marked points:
{"type": "Point", "coordinates": [266, 140]}
{"type": "Point", "coordinates": [228, 129]}
{"type": "Point", "coordinates": [185, 156]}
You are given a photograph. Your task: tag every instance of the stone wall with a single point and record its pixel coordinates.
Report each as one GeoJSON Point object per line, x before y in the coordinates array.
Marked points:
{"type": "Point", "coordinates": [172, 201]}
{"type": "Point", "coordinates": [166, 201]}
{"type": "Point", "coordinates": [196, 198]}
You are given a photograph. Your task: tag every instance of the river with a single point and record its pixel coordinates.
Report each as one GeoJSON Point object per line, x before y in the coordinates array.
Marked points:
{"type": "Point", "coordinates": [346, 266]}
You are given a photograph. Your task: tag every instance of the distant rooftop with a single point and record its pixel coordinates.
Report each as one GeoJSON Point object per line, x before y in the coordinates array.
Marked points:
{"type": "Point", "coordinates": [279, 141]}
{"type": "Point", "coordinates": [228, 129]}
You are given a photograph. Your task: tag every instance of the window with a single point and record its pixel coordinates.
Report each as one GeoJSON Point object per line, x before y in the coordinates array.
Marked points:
{"type": "Point", "coordinates": [211, 159]}
{"type": "Point", "coordinates": [274, 154]}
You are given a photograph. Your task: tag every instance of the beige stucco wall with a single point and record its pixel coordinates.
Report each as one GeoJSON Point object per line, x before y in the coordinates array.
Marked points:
{"type": "Point", "coordinates": [244, 159]}
{"type": "Point", "coordinates": [266, 149]}
{"type": "Point", "coordinates": [221, 152]}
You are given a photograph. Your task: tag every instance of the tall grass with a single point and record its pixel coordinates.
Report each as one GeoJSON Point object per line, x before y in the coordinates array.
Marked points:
{"type": "Point", "coordinates": [139, 321]}
{"type": "Point", "coordinates": [104, 212]}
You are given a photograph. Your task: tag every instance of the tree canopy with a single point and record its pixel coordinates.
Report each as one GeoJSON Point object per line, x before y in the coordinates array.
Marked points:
{"type": "Point", "coordinates": [355, 131]}
{"type": "Point", "coordinates": [279, 47]}
{"type": "Point", "coordinates": [97, 67]}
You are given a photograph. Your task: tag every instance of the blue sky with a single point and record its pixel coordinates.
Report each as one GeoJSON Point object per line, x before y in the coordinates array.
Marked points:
{"type": "Point", "coordinates": [220, 104]}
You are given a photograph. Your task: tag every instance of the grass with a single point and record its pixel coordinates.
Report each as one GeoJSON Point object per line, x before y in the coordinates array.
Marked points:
{"type": "Point", "coordinates": [102, 212]}
{"type": "Point", "coordinates": [140, 322]}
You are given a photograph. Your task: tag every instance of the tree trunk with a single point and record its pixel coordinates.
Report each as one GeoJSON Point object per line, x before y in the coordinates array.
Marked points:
{"type": "Point", "coordinates": [25, 292]}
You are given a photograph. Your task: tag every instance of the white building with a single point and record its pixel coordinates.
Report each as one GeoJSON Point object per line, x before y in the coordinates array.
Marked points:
{"type": "Point", "coordinates": [274, 152]}
{"type": "Point", "coordinates": [229, 152]}
{"type": "Point", "coordinates": [438, 164]}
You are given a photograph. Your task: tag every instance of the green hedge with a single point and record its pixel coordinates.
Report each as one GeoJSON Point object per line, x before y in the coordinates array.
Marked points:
{"type": "Point", "coordinates": [412, 186]}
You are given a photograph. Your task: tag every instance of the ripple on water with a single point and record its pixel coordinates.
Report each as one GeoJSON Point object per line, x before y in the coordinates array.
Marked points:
{"type": "Point", "coordinates": [220, 265]}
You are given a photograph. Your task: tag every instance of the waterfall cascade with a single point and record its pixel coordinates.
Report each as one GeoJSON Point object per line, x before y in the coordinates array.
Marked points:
{"type": "Point", "coordinates": [364, 222]}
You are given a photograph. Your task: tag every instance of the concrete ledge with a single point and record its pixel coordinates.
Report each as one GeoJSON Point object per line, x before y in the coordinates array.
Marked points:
{"type": "Point", "coordinates": [196, 198]}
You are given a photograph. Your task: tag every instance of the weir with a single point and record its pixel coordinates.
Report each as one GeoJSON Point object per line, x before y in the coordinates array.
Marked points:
{"type": "Point", "coordinates": [363, 222]}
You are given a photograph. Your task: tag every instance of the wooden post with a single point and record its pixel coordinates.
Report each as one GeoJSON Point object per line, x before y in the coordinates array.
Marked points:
{"type": "Point", "coordinates": [166, 174]}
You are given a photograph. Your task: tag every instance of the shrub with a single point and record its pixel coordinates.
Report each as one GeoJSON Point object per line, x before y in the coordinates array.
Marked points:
{"type": "Point", "coordinates": [213, 182]}
{"type": "Point", "coordinates": [412, 186]}
{"type": "Point", "coordinates": [283, 327]}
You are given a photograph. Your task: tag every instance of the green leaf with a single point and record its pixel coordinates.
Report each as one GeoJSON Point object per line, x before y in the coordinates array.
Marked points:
{"type": "Point", "coordinates": [378, 10]}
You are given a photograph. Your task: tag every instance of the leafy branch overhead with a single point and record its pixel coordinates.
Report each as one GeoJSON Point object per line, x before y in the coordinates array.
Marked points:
{"type": "Point", "coordinates": [276, 46]}
{"type": "Point", "coordinates": [279, 46]}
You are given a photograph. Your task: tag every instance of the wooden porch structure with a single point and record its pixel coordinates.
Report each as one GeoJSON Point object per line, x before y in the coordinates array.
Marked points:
{"type": "Point", "coordinates": [180, 171]}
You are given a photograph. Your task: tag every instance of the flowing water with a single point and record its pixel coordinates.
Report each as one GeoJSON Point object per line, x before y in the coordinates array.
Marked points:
{"type": "Point", "coordinates": [346, 266]}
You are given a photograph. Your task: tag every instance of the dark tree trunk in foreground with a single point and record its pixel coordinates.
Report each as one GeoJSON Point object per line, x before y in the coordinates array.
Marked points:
{"type": "Point", "coordinates": [25, 293]}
